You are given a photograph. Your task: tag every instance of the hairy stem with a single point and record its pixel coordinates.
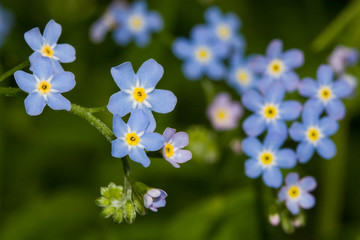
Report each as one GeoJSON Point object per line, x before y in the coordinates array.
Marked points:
{"type": "Point", "coordinates": [10, 92]}
{"type": "Point", "coordinates": [14, 69]}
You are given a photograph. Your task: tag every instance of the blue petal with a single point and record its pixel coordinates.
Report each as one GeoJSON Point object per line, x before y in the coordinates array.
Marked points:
{"type": "Point", "coordinates": [306, 200]}
{"type": "Point", "coordinates": [42, 68]}
{"type": "Point", "coordinates": [120, 128]}
{"type": "Point", "coordinates": [336, 109]}
{"type": "Point", "coordinates": [282, 193]}
{"type": "Point", "coordinates": [293, 207]}
{"type": "Point", "coordinates": [192, 70]}
{"type": "Point", "coordinates": [213, 15]}
{"type": "Point", "coordinates": [326, 148]}
{"type": "Point", "coordinates": [63, 82]}
{"type": "Point", "coordinates": [155, 21]}
{"type": "Point", "coordinates": [278, 127]}
{"type": "Point", "coordinates": [216, 70]}
{"type": "Point", "coordinates": [328, 126]}
{"type": "Point", "coordinates": [138, 121]}
{"type": "Point", "coordinates": [182, 48]}
{"type": "Point", "coordinates": [272, 177]}
{"type": "Point", "coordinates": [139, 155]}
{"type": "Point", "coordinates": [274, 49]}
{"type": "Point", "coordinates": [273, 141]}
{"type": "Point", "coordinates": [292, 178]}
{"type": "Point", "coordinates": [290, 81]}
{"type": "Point", "coordinates": [150, 73]}
{"type": "Point", "coordinates": [119, 148]}
{"type": "Point", "coordinates": [25, 81]}
{"type": "Point", "coordinates": [297, 132]}
{"type": "Point", "coordinates": [254, 125]}
{"type": "Point", "coordinates": [152, 125]}
{"type": "Point", "coordinates": [308, 87]}
{"type": "Point", "coordinates": [325, 74]}
{"type": "Point", "coordinates": [180, 139]}
{"type": "Point", "coordinates": [290, 110]}
{"type": "Point", "coordinates": [65, 53]}
{"type": "Point", "coordinates": [251, 147]}
{"type": "Point", "coordinates": [293, 58]}
{"type": "Point", "coordinates": [162, 101]}
{"type": "Point", "coordinates": [169, 133]}
{"type": "Point", "coordinates": [220, 50]}
{"type": "Point", "coordinates": [152, 141]}
{"type": "Point", "coordinates": [34, 104]}
{"type": "Point", "coordinates": [56, 66]}
{"type": "Point", "coordinates": [259, 64]}
{"type": "Point", "coordinates": [286, 158]}
{"type": "Point", "coordinates": [342, 89]}
{"type": "Point", "coordinates": [312, 111]}
{"type": "Point", "coordinates": [56, 101]}
{"type": "Point", "coordinates": [307, 183]}
{"type": "Point", "coordinates": [264, 83]}
{"type": "Point", "coordinates": [34, 39]}
{"type": "Point", "coordinates": [275, 93]}
{"type": "Point", "coordinates": [233, 20]}
{"type": "Point", "coordinates": [200, 34]}
{"type": "Point", "coordinates": [52, 32]}
{"type": "Point", "coordinates": [182, 156]}
{"type": "Point", "coordinates": [304, 152]}
{"type": "Point", "coordinates": [252, 100]}
{"type": "Point", "coordinates": [124, 76]}
{"type": "Point", "coordinates": [252, 168]}
{"type": "Point", "coordinates": [122, 36]}
{"type": "Point", "coordinates": [142, 39]}
{"type": "Point", "coordinates": [120, 103]}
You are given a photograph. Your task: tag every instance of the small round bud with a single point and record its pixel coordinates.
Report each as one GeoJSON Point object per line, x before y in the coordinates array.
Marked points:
{"type": "Point", "coordinates": [119, 215]}
{"type": "Point", "coordinates": [129, 212]}
{"type": "Point", "coordinates": [102, 202]}
{"type": "Point", "coordinates": [139, 204]}
{"type": "Point", "coordinates": [108, 211]}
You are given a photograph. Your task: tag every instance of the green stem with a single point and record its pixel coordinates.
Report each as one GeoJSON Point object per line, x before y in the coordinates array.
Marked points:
{"type": "Point", "coordinates": [260, 210]}
{"type": "Point", "coordinates": [10, 92]}
{"type": "Point", "coordinates": [208, 88]}
{"type": "Point", "coordinates": [14, 69]}
{"type": "Point", "coordinates": [127, 179]}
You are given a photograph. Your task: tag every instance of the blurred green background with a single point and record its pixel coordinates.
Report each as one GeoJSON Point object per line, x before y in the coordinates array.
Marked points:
{"type": "Point", "coordinates": [53, 165]}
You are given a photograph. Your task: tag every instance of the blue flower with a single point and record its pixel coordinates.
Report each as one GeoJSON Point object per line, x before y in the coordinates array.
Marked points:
{"type": "Point", "coordinates": [201, 54]}
{"type": "Point", "coordinates": [268, 158]}
{"type": "Point", "coordinates": [6, 23]}
{"type": "Point", "coordinates": [155, 198]}
{"type": "Point", "coordinates": [278, 66]}
{"type": "Point", "coordinates": [313, 134]}
{"type": "Point", "coordinates": [46, 46]}
{"type": "Point", "coordinates": [342, 57]}
{"type": "Point", "coordinates": [296, 192]}
{"type": "Point", "coordinates": [44, 87]}
{"type": "Point", "coordinates": [172, 150]}
{"type": "Point", "coordinates": [225, 28]}
{"type": "Point", "coordinates": [138, 23]}
{"type": "Point", "coordinates": [326, 93]}
{"type": "Point", "coordinates": [269, 111]}
{"type": "Point", "coordinates": [138, 91]}
{"type": "Point", "coordinates": [133, 138]}
{"type": "Point", "coordinates": [241, 76]}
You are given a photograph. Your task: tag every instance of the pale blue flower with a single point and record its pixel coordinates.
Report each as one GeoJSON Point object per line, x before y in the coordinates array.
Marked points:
{"type": "Point", "coordinates": [155, 198]}
{"type": "Point", "coordinates": [342, 57]}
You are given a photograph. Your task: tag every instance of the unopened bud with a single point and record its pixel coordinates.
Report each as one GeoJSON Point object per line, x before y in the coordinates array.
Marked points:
{"type": "Point", "coordinates": [119, 215]}
{"type": "Point", "coordinates": [129, 212]}
{"type": "Point", "coordinates": [108, 211]}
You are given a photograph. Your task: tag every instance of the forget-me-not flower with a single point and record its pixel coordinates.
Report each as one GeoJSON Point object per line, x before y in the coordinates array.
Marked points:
{"type": "Point", "coordinates": [342, 57]}
{"type": "Point", "coordinates": [296, 192]}
{"type": "Point", "coordinates": [267, 159]}
{"type": "Point", "coordinates": [136, 22]}
{"type": "Point", "coordinates": [325, 92]}
{"type": "Point", "coordinates": [278, 66]}
{"type": "Point", "coordinates": [44, 87]}
{"type": "Point", "coordinates": [133, 138]}
{"type": "Point", "coordinates": [313, 134]}
{"type": "Point", "coordinates": [269, 111]}
{"type": "Point", "coordinates": [137, 91]}
{"type": "Point", "coordinates": [155, 198]}
{"type": "Point", "coordinates": [172, 150]}
{"type": "Point", "coordinates": [46, 45]}
{"type": "Point", "coordinates": [201, 55]}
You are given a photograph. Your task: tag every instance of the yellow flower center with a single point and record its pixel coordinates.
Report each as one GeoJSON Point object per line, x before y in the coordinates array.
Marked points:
{"type": "Point", "coordinates": [223, 31]}
{"type": "Point", "coordinates": [47, 51]}
{"type": "Point", "coordinates": [221, 114]}
{"type": "Point", "coordinates": [139, 94]}
{"type": "Point", "coordinates": [242, 77]}
{"type": "Point", "coordinates": [169, 150]}
{"type": "Point", "coordinates": [44, 87]}
{"type": "Point", "coordinates": [203, 54]}
{"type": "Point", "coordinates": [132, 139]}
{"type": "Point", "coordinates": [313, 134]}
{"type": "Point", "coordinates": [325, 94]}
{"type": "Point", "coordinates": [276, 67]}
{"type": "Point", "coordinates": [294, 191]}
{"type": "Point", "coordinates": [270, 112]}
{"type": "Point", "coordinates": [266, 158]}
{"type": "Point", "coordinates": [136, 23]}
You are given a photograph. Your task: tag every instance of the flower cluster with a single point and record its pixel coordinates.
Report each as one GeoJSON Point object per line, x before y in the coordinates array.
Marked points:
{"type": "Point", "coordinates": [129, 22]}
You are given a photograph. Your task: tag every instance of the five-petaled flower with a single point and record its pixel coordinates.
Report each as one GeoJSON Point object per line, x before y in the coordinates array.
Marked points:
{"type": "Point", "coordinates": [296, 192]}
{"type": "Point", "coordinates": [134, 138]}
{"type": "Point", "coordinates": [154, 198]}
{"type": "Point", "coordinates": [44, 87]}
{"type": "Point", "coordinates": [138, 91]}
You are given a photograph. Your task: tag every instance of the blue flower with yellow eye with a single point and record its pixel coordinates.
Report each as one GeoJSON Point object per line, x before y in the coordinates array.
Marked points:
{"type": "Point", "coordinates": [313, 134]}
{"type": "Point", "coordinates": [240, 75]}
{"type": "Point", "coordinates": [137, 91]}
{"type": "Point", "coordinates": [267, 159]}
{"type": "Point", "coordinates": [225, 28]}
{"type": "Point", "coordinates": [326, 93]}
{"type": "Point", "coordinates": [201, 54]}
{"type": "Point", "coordinates": [278, 66]}
{"type": "Point", "coordinates": [136, 22]}
{"type": "Point", "coordinates": [296, 192]}
{"type": "Point", "coordinates": [6, 23]}
{"type": "Point", "coordinates": [269, 111]}
{"type": "Point", "coordinates": [46, 46]}
{"type": "Point", "coordinates": [134, 138]}
{"type": "Point", "coordinates": [44, 87]}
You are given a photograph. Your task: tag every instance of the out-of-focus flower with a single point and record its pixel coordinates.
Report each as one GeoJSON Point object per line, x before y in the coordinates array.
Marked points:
{"type": "Point", "coordinates": [278, 66]}
{"type": "Point", "coordinates": [137, 91]}
{"type": "Point", "coordinates": [172, 150]}
{"type": "Point", "coordinates": [133, 138]}
{"type": "Point", "coordinates": [46, 46]}
{"type": "Point", "coordinates": [325, 93]}
{"type": "Point", "coordinates": [236, 146]}
{"type": "Point", "coordinates": [342, 57]}
{"type": "Point", "coordinates": [201, 55]}
{"type": "Point", "coordinates": [6, 23]}
{"type": "Point", "coordinates": [269, 111]}
{"type": "Point", "coordinates": [136, 22]}
{"type": "Point", "coordinates": [154, 199]}
{"type": "Point", "coordinates": [296, 193]}
{"type": "Point", "coordinates": [223, 113]}
{"type": "Point", "coordinates": [268, 158]}
{"type": "Point", "coordinates": [274, 219]}
{"type": "Point", "coordinates": [313, 134]}
{"type": "Point", "coordinates": [351, 80]}
{"type": "Point", "coordinates": [44, 87]}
